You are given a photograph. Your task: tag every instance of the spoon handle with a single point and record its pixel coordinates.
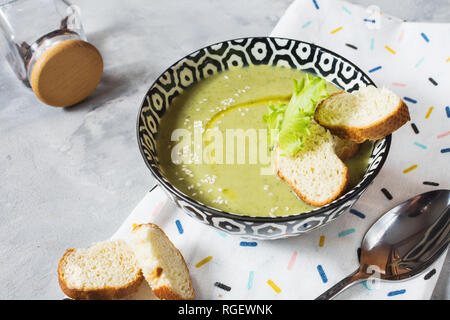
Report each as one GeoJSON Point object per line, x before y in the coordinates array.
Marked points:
{"type": "Point", "coordinates": [342, 285]}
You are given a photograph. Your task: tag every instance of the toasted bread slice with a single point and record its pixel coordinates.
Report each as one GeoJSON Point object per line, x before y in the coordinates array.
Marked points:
{"type": "Point", "coordinates": [368, 114]}
{"type": "Point", "coordinates": [161, 262]}
{"type": "Point", "coordinates": [345, 149]}
{"type": "Point", "coordinates": [316, 174]}
{"type": "Point", "coordinates": [107, 270]}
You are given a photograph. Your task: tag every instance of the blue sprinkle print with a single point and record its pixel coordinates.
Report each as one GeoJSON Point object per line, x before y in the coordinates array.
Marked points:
{"type": "Point", "coordinates": [315, 4]}
{"type": "Point", "coordinates": [410, 100]}
{"type": "Point", "coordinates": [222, 234]}
{"type": "Point", "coordinates": [396, 293]}
{"type": "Point", "coordinates": [372, 43]}
{"type": "Point", "coordinates": [179, 226]}
{"type": "Point", "coordinates": [248, 244]}
{"type": "Point", "coordinates": [375, 69]}
{"type": "Point", "coordinates": [425, 37]}
{"type": "Point", "coordinates": [420, 145]}
{"type": "Point", "coordinates": [250, 280]}
{"type": "Point", "coordinates": [447, 110]}
{"type": "Point", "coordinates": [357, 213]}
{"type": "Point", "coordinates": [370, 20]}
{"type": "Point", "coordinates": [306, 24]}
{"type": "Point", "coordinates": [445, 150]}
{"type": "Point", "coordinates": [419, 62]}
{"type": "Point", "coordinates": [322, 274]}
{"type": "Point", "coordinates": [346, 232]}
{"type": "Point", "coordinates": [366, 285]}
{"type": "Point", "coordinates": [346, 10]}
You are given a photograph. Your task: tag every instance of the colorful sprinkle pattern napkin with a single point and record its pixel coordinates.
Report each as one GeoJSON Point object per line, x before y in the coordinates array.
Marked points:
{"type": "Point", "coordinates": [413, 59]}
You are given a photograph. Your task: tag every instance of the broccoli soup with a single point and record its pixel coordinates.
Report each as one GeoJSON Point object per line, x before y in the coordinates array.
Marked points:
{"type": "Point", "coordinates": [213, 143]}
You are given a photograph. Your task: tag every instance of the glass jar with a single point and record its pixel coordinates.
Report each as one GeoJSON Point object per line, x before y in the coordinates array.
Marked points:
{"type": "Point", "coordinates": [30, 30]}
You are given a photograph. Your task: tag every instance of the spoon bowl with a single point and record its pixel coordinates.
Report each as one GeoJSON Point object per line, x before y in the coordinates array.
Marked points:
{"type": "Point", "coordinates": [404, 241]}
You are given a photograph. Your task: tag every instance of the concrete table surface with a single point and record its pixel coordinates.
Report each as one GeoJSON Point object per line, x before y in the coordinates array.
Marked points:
{"type": "Point", "coordinates": [69, 177]}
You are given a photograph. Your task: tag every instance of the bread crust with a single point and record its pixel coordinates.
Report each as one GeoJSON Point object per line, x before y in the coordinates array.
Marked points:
{"type": "Point", "coordinates": [345, 149]}
{"type": "Point", "coordinates": [374, 131]}
{"type": "Point", "coordinates": [165, 292]}
{"type": "Point", "coordinates": [312, 202]}
{"type": "Point", "coordinates": [349, 151]}
{"type": "Point", "coordinates": [107, 293]}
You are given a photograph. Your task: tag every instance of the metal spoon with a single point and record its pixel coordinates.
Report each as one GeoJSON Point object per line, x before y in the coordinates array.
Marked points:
{"type": "Point", "coordinates": [403, 242]}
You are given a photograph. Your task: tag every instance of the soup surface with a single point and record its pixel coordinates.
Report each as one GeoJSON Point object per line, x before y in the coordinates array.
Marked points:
{"type": "Point", "coordinates": [235, 100]}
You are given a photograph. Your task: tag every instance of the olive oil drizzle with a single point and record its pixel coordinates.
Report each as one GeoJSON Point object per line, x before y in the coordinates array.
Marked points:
{"type": "Point", "coordinates": [248, 104]}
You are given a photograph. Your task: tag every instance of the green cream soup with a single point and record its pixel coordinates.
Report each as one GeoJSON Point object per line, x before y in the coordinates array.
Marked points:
{"type": "Point", "coordinates": [228, 177]}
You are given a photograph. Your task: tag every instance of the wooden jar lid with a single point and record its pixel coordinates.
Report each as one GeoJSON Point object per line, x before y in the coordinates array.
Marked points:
{"type": "Point", "coordinates": [67, 73]}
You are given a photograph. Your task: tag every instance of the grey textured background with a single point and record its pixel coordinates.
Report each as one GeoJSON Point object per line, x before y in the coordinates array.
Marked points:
{"type": "Point", "coordinates": [69, 177]}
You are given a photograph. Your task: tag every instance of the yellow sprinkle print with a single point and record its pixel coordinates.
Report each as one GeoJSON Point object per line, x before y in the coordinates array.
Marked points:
{"type": "Point", "coordinates": [429, 112]}
{"type": "Point", "coordinates": [410, 169]}
{"type": "Point", "coordinates": [274, 286]}
{"type": "Point", "coordinates": [390, 50]}
{"type": "Point", "coordinates": [204, 261]}
{"type": "Point", "coordinates": [336, 30]}
{"type": "Point", "coordinates": [448, 60]}
{"type": "Point", "coordinates": [321, 241]}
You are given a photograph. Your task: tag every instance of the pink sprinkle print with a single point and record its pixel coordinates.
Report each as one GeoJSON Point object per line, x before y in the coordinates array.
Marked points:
{"type": "Point", "coordinates": [292, 260]}
{"type": "Point", "coordinates": [443, 135]}
{"type": "Point", "coordinates": [401, 35]}
{"type": "Point", "coordinates": [157, 209]}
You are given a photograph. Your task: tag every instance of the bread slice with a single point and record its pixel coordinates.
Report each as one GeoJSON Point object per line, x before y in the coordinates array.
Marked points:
{"type": "Point", "coordinates": [368, 114]}
{"type": "Point", "coordinates": [107, 270]}
{"type": "Point", "coordinates": [161, 262]}
{"type": "Point", "coordinates": [316, 174]}
{"type": "Point", "coordinates": [345, 149]}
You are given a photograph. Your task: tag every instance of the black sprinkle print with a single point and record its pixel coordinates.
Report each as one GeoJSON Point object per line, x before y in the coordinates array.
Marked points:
{"type": "Point", "coordinates": [387, 194]}
{"type": "Point", "coordinates": [358, 252]}
{"type": "Point", "coordinates": [430, 274]}
{"type": "Point", "coordinates": [351, 46]}
{"type": "Point", "coordinates": [414, 127]}
{"type": "Point", "coordinates": [428, 183]}
{"type": "Point", "coordinates": [433, 81]}
{"type": "Point", "coordinates": [222, 286]}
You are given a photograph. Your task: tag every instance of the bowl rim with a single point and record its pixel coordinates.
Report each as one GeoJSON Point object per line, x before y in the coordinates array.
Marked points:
{"type": "Point", "coordinates": [359, 188]}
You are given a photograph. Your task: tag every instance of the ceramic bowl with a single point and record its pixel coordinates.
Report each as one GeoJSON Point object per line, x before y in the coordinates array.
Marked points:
{"type": "Point", "coordinates": [239, 53]}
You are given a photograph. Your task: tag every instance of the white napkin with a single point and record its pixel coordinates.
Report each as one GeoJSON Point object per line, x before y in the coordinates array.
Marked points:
{"type": "Point", "coordinates": [413, 59]}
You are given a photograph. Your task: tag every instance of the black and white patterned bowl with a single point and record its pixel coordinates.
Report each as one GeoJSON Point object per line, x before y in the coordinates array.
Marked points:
{"type": "Point", "coordinates": [241, 53]}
